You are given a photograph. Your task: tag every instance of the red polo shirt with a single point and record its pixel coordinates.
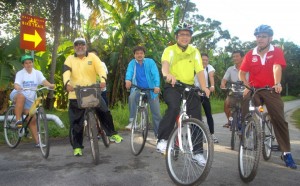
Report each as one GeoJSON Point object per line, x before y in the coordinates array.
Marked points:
{"type": "Point", "coordinates": [261, 68]}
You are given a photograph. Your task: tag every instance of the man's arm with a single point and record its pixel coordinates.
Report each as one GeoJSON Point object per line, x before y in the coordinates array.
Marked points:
{"type": "Point", "coordinates": [223, 83]}
{"type": "Point", "coordinates": [165, 69]}
{"type": "Point", "coordinates": [212, 81]}
{"type": "Point", "coordinates": [242, 77]}
{"type": "Point", "coordinates": [277, 71]}
{"type": "Point", "coordinates": [201, 80]}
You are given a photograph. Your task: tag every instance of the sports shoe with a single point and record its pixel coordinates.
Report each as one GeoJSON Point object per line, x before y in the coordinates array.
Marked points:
{"type": "Point", "coordinates": [289, 162]}
{"type": "Point", "coordinates": [199, 159]}
{"type": "Point", "coordinates": [129, 126]}
{"type": "Point", "coordinates": [77, 152]}
{"type": "Point", "coordinates": [215, 139]}
{"type": "Point", "coordinates": [38, 145]}
{"type": "Point", "coordinates": [116, 138]}
{"type": "Point", "coordinates": [17, 124]}
{"type": "Point", "coordinates": [162, 146]}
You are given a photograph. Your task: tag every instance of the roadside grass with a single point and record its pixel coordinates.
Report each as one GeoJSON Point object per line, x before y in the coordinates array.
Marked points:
{"type": "Point", "coordinates": [121, 114]}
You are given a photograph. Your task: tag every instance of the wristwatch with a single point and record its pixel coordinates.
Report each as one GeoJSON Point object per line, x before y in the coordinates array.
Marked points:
{"type": "Point", "coordinates": [278, 84]}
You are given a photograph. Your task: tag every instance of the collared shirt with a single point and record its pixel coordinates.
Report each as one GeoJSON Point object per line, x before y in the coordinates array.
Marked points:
{"type": "Point", "coordinates": [83, 71]}
{"type": "Point", "coordinates": [261, 68]}
{"type": "Point", "coordinates": [183, 64]}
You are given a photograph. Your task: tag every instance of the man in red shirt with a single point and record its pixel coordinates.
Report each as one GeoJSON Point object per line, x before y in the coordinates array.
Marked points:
{"type": "Point", "coordinates": [264, 64]}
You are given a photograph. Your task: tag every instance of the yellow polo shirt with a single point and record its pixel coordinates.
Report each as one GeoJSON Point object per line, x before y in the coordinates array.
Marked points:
{"type": "Point", "coordinates": [183, 65]}
{"type": "Point", "coordinates": [82, 71]}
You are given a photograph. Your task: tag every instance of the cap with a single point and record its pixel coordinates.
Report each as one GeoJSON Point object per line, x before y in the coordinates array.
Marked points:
{"type": "Point", "coordinates": [26, 57]}
{"type": "Point", "coordinates": [79, 40]}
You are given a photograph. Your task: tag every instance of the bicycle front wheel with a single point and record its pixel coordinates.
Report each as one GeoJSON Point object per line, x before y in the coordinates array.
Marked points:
{"type": "Point", "coordinates": [268, 137]}
{"type": "Point", "coordinates": [11, 132]}
{"type": "Point", "coordinates": [139, 131]}
{"type": "Point", "coordinates": [93, 135]}
{"type": "Point", "coordinates": [234, 129]}
{"type": "Point", "coordinates": [191, 164]}
{"type": "Point", "coordinates": [42, 130]}
{"type": "Point", "coordinates": [249, 151]}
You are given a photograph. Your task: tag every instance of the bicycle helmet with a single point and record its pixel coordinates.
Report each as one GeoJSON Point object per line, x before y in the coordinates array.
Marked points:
{"type": "Point", "coordinates": [263, 29]}
{"type": "Point", "coordinates": [26, 57]}
{"type": "Point", "coordinates": [79, 40]}
{"type": "Point", "coordinates": [183, 26]}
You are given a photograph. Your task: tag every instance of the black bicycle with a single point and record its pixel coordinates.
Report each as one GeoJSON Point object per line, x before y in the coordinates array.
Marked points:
{"type": "Point", "coordinates": [88, 98]}
{"type": "Point", "coordinates": [257, 132]}
{"type": "Point", "coordinates": [190, 140]}
{"type": "Point", "coordinates": [235, 92]}
{"type": "Point", "coordinates": [13, 133]}
{"type": "Point", "coordinates": [140, 125]}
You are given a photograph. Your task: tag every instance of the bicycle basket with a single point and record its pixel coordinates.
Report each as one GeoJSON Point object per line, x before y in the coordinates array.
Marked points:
{"type": "Point", "coordinates": [88, 96]}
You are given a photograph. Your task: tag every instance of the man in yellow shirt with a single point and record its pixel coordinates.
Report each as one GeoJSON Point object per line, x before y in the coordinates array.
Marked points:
{"type": "Point", "coordinates": [180, 61]}
{"type": "Point", "coordinates": [82, 69]}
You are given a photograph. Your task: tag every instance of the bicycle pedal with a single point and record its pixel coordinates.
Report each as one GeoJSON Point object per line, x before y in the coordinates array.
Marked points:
{"type": "Point", "coordinates": [275, 148]}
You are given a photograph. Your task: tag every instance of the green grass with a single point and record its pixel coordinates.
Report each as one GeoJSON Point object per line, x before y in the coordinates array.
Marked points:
{"type": "Point", "coordinates": [296, 117]}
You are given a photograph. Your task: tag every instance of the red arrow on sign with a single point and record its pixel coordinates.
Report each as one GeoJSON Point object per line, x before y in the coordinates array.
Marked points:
{"type": "Point", "coordinates": [36, 38]}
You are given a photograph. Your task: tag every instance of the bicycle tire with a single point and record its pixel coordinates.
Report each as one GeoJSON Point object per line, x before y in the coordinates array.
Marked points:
{"type": "Point", "coordinates": [139, 131]}
{"type": "Point", "coordinates": [102, 133]}
{"type": "Point", "coordinates": [93, 136]}
{"type": "Point", "coordinates": [249, 150]}
{"type": "Point", "coordinates": [182, 169]}
{"type": "Point", "coordinates": [234, 129]}
{"type": "Point", "coordinates": [11, 133]}
{"type": "Point", "coordinates": [267, 128]}
{"type": "Point", "coordinates": [43, 132]}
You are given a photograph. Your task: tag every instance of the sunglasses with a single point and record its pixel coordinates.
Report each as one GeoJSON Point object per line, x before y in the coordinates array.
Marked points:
{"type": "Point", "coordinates": [79, 44]}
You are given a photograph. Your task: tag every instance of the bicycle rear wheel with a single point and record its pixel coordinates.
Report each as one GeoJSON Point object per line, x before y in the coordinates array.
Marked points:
{"type": "Point", "coordinates": [139, 131]}
{"type": "Point", "coordinates": [42, 130]}
{"type": "Point", "coordinates": [11, 132]}
{"type": "Point", "coordinates": [234, 129]}
{"type": "Point", "coordinates": [102, 133]}
{"type": "Point", "coordinates": [249, 151]}
{"type": "Point", "coordinates": [93, 136]}
{"type": "Point", "coordinates": [268, 137]}
{"type": "Point", "coordinates": [182, 166]}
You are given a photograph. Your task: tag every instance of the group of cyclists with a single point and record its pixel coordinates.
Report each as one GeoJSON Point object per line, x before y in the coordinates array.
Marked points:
{"type": "Point", "coordinates": [260, 67]}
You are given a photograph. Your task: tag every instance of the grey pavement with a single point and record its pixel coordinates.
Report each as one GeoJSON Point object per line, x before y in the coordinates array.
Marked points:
{"type": "Point", "coordinates": [118, 167]}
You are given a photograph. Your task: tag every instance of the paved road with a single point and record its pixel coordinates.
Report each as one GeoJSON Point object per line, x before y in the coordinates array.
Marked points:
{"type": "Point", "coordinates": [118, 167]}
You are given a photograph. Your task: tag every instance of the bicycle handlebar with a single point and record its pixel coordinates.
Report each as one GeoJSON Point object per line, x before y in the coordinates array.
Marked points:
{"type": "Point", "coordinates": [38, 89]}
{"type": "Point", "coordinates": [140, 88]}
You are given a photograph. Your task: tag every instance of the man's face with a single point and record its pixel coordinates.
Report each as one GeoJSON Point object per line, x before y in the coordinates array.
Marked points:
{"type": "Point", "coordinates": [28, 65]}
{"type": "Point", "coordinates": [139, 55]}
{"type": "Point", "coordinates": [237, 58]}
{"type": "Point", "coordinates": [80, 49]}
{"type": "Point", "coordinates": [205, 61]}
{"type": "Point", "coordinates": [263, 40]}
{"type": "Point", "coordinates": [183, 37]}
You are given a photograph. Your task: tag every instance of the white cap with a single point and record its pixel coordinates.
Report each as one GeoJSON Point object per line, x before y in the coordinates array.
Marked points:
{"type": "Point", "coordinates": [79, 40]}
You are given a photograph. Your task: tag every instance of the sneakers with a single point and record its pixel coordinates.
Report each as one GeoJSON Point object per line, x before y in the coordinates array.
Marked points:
{"type": "Point", "coordinates": [77, 152]}
{"type": "Point", "coordinates": [161, 146]}
{"type": "Point", "coordinates": [289, 162]}
{"type": "Point", "coordinates": [38, 145]}
{"type": "Point", "coordinates": [17, 124]}
{"type": "Point", "coordinates": [199, 159]}
{"type": "Point", "coordinates": [226, 125]}
{"type": "Point", "coordinates": [215, 139]}
{"type": "Point", "coordinates": [128, 127]}
{"type": "Point", "coordinates": [116, 138]}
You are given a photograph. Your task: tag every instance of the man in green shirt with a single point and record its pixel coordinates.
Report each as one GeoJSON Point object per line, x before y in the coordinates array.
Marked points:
{"type": "Point", "coordinates": [180, 62]}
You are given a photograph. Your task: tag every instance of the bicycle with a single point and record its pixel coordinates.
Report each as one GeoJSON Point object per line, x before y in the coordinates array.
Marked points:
{"type": "Point", "coordinates": [13, 133]}
{"type": "Point", "coordinates": [88, 98]}
{"type": "Point", "coordinates": [235, 120]}
{"type": "Point", "coordinates": [140, 124]}
{"type": "Point", "coordinates": [190, 137]}
{"type": "Point", "coordinates": [252, 137]}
